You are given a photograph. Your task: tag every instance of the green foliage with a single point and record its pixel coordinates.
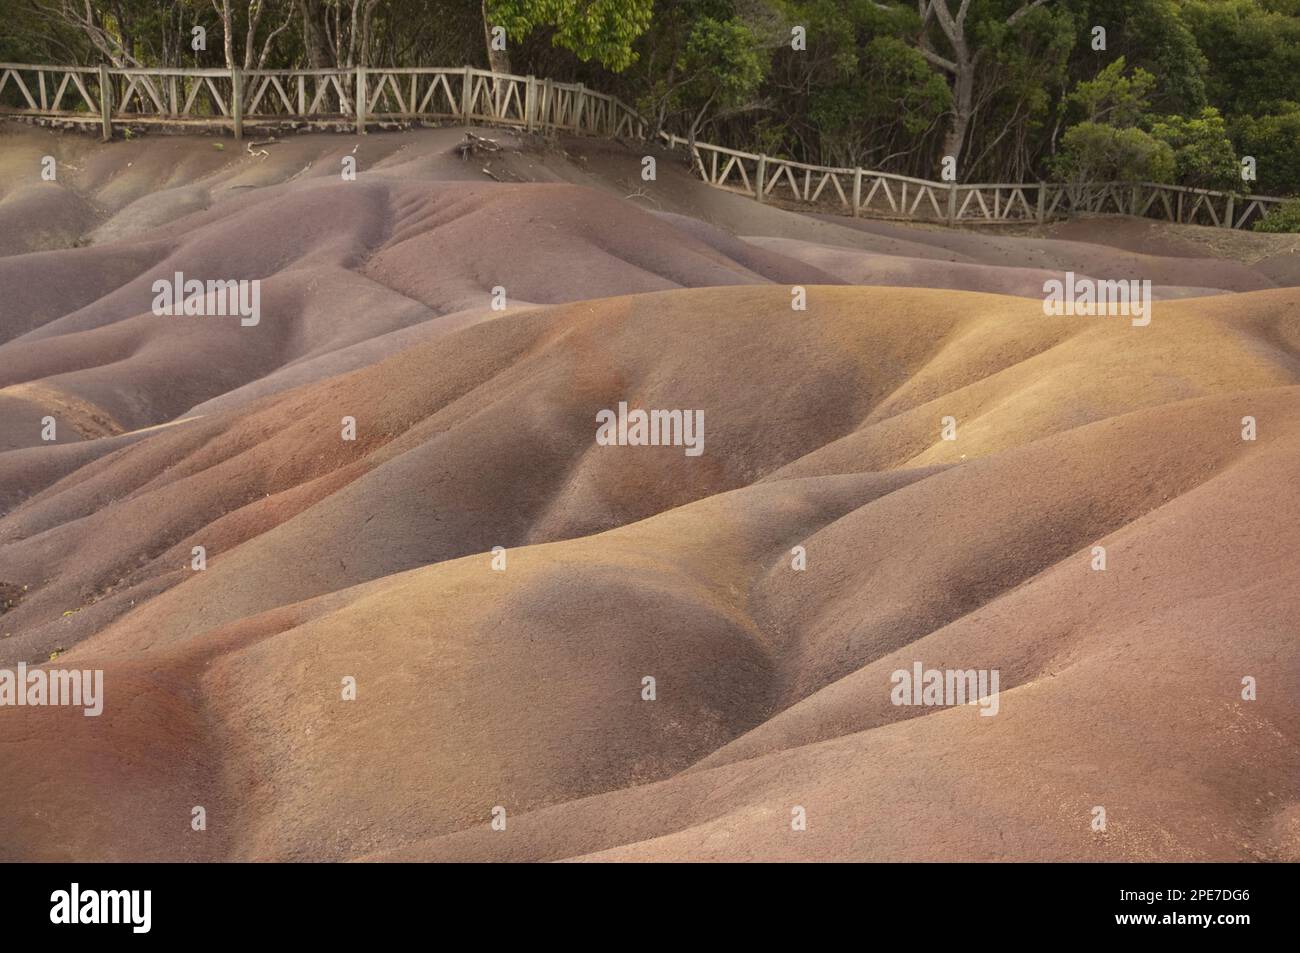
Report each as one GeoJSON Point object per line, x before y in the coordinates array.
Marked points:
{"type": "Point", "coordinates": [699, 58]}
{"type": "Point", "coordinates": [861, 92]}
{"type": "Point", "coordinates": [1119, 139]}
{"type": "Point", "coordinates": [891, 84]}
{"type": "Point", "coordinates": [1253, 50]}
{"type": "Point", "coordinates": [1283, 218]}
{"type": "Point", "coordinates": [1203, 155]}
{"type": "Point", "coordinates": [1151, 35]}
{"type": "Point", "coordinates": [768, 136]}
{"type": "Point", "coordinates": [1023, 68]}
{"type": "Point", "coordinates": [1114, 98]}
{"type": "Point", "coordinates": [601, 30]}
{"type": "Point", "coordinates": [723, 60]}
{"type": "Point", "coordinates": [1093, 151]}
{"type": "Point", "coordinates": [900, 85]}
{"type": "Point", "coordinates": [1274, 141]}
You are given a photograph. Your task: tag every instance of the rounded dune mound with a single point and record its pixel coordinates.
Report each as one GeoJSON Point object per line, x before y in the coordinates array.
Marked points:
{"type": "Point", "coordinates": [866, 268]}
{"type": "Point", "coordinates": [1110, 247]}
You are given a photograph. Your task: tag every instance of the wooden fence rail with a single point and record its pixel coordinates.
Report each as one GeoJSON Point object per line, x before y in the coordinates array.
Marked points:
{"type": "Point", "coordinates": [885, 195]}
{"type": "Point", "coordinates": [234, 98]}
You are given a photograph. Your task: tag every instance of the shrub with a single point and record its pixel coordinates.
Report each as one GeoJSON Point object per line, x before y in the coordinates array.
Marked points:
{"type": "Point", "coordinates": [1284, 218]}
{"type": "Point", "coordinates": [1096, 152]}
{"type": "Point", "coordinates": [1272, 140]}
{"type": "Point", "coordinates": [1203, 156]}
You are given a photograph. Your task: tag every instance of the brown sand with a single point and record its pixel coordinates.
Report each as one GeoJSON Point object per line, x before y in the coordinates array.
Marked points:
{"type": "Point", "coordinates": [522, 688]}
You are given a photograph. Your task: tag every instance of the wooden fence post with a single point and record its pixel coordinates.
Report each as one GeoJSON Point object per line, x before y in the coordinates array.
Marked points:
{"type": "Point", "coordinates": [1228, 212]}
{"type": "Point", "coordinates": [530, 104]}
{"type": "Point", "coordinates": [579, 100]}
{"type": "Point", "coordinates": [466, 92]}
{"type": "Point", "coordinates": [759, 176]}
{"type": "Point", "coordinates": [1042, 203]}
{"type": "Point", "coordinates": [105, 104]}
{"type": "Point", "coordinates": [237, 102]}
{"type": "Point", "coordinates": [952, 204]}
{"type": "Point", "coordinates": [548, 105]}
{"type": "Point", "coordinates": [362, 101]}
{"type": "Point", "coordinates": [857, 192]}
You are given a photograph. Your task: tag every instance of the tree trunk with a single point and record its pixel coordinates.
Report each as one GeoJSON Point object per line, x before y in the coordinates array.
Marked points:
{"type": "Point", "coordinates": [695, 128]}
{"type": "Point", "coordinates": [498, 60]}
{"type": "Point", "coordinates": [319, 54]}
{"type": "Point", "coordinates": [963, 106]}
{"type": "Point", "coordinates": [227, 34]}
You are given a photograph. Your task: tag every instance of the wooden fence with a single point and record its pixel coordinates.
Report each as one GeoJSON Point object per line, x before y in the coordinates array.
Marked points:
{"type": "Point", "coordinates": [885, 195]}
{"type": "Point", "coordinates": [234, 98]}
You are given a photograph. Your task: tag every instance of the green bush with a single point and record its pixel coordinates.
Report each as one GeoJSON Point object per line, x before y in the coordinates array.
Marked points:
{"type": "Point", "coordinates": [1284, 218]}
{"type": "Point", "coordinates": [1097, 152]}
{"type": "Point", "coordinates": [1274, 141]}
{"type": "Point", "coordinates": [1203, 156]}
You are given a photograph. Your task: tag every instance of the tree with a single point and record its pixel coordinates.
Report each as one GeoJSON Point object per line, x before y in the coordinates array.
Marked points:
{"type": "Point", "coordinates": [724, 64]}
{"type": "Point", "coordinates": [701, 55]}
{"type": "Point", "coordinates": [1097, 152]}
{"type": "Point", "coordinates": [1253, 53]}
{"type": "Point", "coordinates": [1271, 140]}
{"type": "Point", "coordinates": [1023, 73]}
{"type": "Point", "coordinates": [1107, 144]}
{"type": "Point", "coordinates": [1150, 34]}
{"type": "Point", "coordinates": [601, 30]}
{"type": "Point", "coordinates": [111, 32]}
{"type": "Point", "coordinates": [962, 60]}
{"type": "Point", "coordinates": [316, 46]}
{"type": "Point", "coordinates": [884, 110]}
{"type": "Point", "coordinates": [1203, 155]}
{"type": "Point", "coordinates": [1120, 139]}
{"type": "Point", "coordinates": [250, 12]}
{"type": "Point", "coordinates": [860, 93]}
{"type": "Point", "coordinates": [1114, 97]}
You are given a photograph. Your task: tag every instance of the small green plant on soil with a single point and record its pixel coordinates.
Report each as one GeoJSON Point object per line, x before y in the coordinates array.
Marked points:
{"type": "Point", "coordinates": [1284, 218]}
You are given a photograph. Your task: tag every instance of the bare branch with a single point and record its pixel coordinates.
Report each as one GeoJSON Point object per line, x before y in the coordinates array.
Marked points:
{"type": "Point", "coordinates": [936, 60]}
{"type": "Point", "coordinates": [100, 38]}
{"type": "Point", "coordinates": [266, 47]}
{"type": "Point", "coordinates": [952, 29]}
{"type": "Point", "coordinates": [1011, 20]}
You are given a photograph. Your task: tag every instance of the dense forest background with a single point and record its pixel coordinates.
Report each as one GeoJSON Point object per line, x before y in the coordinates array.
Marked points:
{"type": "Point", "coordinates": [1162, 90]}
